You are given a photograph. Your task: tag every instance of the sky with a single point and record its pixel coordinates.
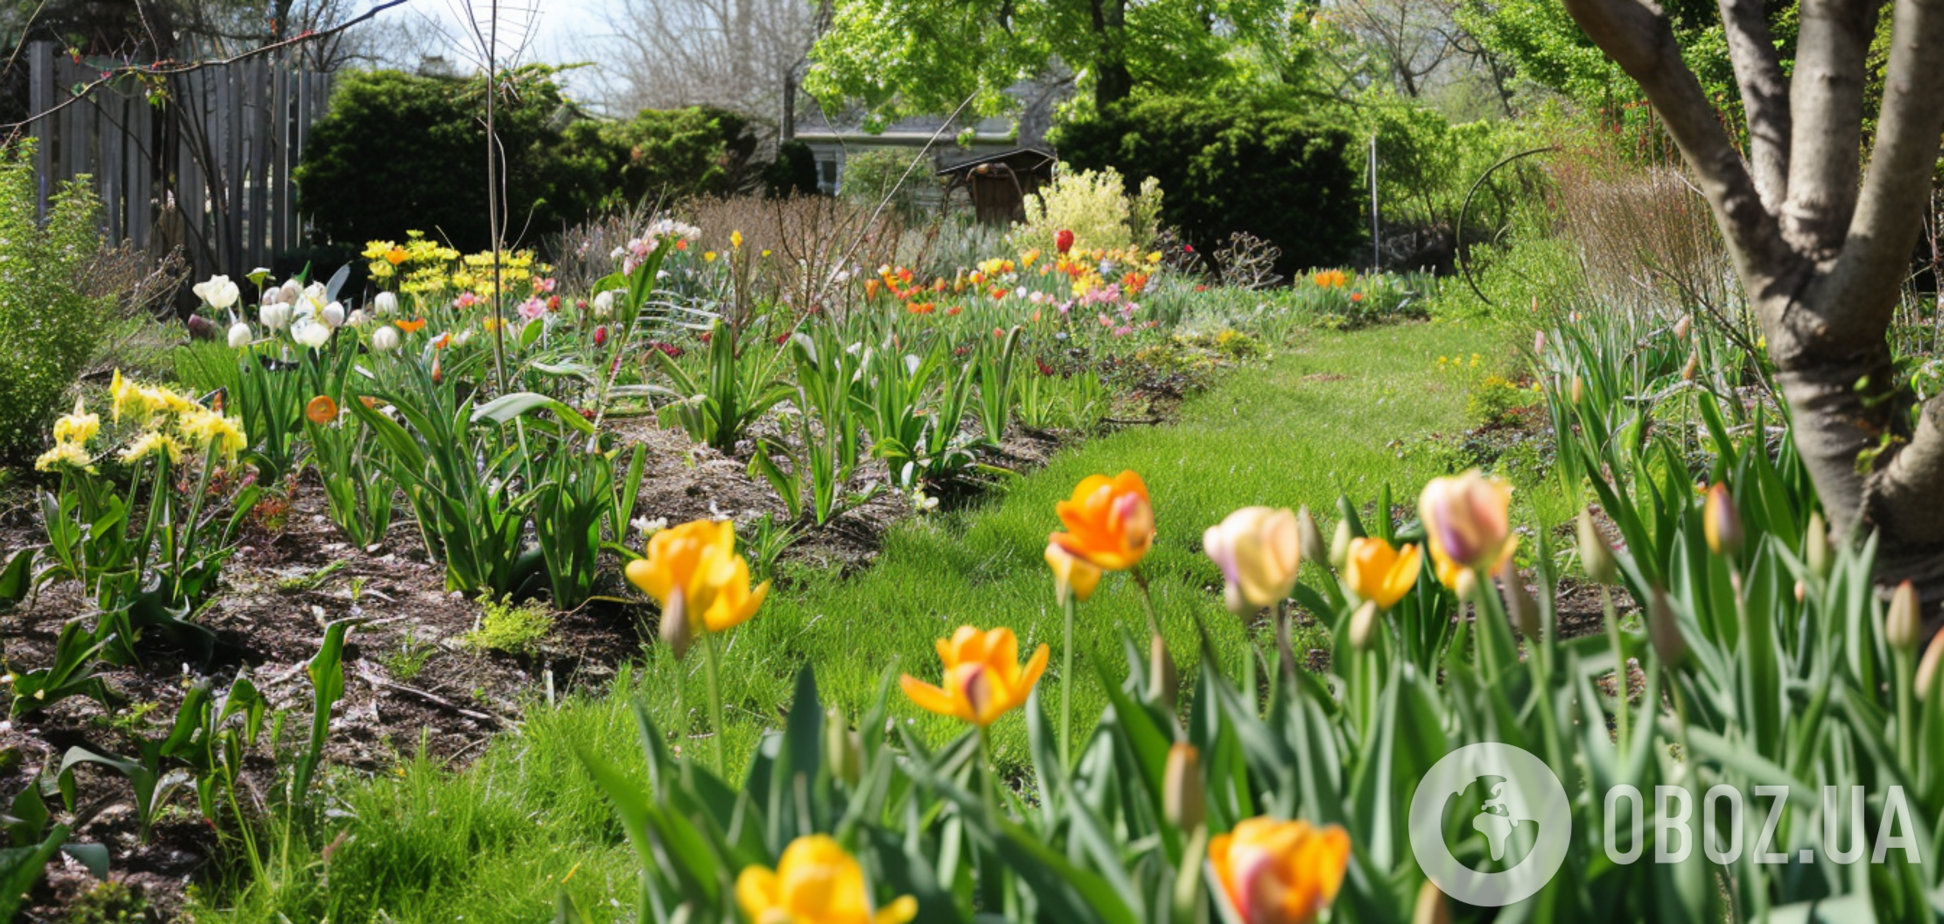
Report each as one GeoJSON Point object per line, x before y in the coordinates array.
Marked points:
{"type": "Point", "coordinates": [562, 29]}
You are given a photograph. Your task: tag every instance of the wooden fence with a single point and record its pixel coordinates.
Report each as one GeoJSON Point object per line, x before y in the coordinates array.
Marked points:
{"type": "Point", "coordinates": [208, 169]}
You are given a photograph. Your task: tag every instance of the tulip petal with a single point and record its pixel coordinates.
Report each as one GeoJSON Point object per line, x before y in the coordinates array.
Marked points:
{"type": "Point", "coordinates": [932, 699]}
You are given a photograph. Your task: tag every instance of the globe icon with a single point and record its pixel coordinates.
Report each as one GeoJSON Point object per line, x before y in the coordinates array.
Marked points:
{"type": "Point", "coordinates": [1498, 817]}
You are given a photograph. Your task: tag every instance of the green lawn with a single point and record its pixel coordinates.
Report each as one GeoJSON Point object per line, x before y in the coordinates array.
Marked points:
{"type": "Point", "coordinates": [495, 841]}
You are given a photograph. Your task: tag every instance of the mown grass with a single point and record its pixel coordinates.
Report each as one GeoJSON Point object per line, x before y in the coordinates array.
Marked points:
{"type": "Point", "coordinates": [499, 840]}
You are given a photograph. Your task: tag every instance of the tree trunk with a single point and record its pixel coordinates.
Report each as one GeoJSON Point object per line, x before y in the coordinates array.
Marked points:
{"type": "Point", "coordinates": [1112, 81]}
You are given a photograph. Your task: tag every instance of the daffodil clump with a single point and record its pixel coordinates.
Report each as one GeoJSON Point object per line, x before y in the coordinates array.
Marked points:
{"type": "Point", "coordinates": [420, 266]}
{"type": "Point", "coordinates": [171, 423]}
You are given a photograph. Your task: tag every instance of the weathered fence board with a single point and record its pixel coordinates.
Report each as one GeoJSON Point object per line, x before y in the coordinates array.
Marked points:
{"type": "Point", "coordinates": [209, 169]}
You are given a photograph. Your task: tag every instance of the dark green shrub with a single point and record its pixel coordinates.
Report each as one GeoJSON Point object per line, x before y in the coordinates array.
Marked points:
{"type": "Point", "coordinates": [793, 173]}
{"type": "Point", "coordinates": [670, 154]}
{"type": "Point", "coordinates": [49, 326]}
{"type": "Point", "coordinates": [1231, 166]}
{"type": "Point", "coordinates": [400, 151]}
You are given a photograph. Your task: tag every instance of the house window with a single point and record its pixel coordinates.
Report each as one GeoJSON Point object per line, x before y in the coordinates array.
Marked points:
{"type": "Point", "coordinates": [828, 175]}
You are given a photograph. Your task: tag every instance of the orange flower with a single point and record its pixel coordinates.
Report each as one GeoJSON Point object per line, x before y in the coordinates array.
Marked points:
{"type": "Point", "coordinates": [1280, 872]}
{"type": "Point", "coordinates": [396, 255]}
{"type": "Point", "coordinates": [870, 288]}
{"type": "Point", "coordinates": [321, 410]}
{"type": "Point", "coordinates": [921, 307]}
{"type": "Point", "coordinates": [411, 327]}
{"type": "Point", "coordinates": [1376, 572]}
{"type": "Point", "coordinates": [953, 310]}
{"type": "Point", "coordinates": [1109, 522]}
{"type": "Point", "coordinates": [983, 677]}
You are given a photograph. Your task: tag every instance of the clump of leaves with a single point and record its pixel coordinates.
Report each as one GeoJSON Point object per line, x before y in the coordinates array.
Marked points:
{"type": "Point", "coordinates": [511, 628]}
{"type": "Point", "coordinates": [109, 902]}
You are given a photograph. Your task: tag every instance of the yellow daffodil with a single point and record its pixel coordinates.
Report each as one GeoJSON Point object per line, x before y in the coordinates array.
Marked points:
{"type": "Point", "coordinates": [1070, 575]}
{"type": "Point", "coordinates": [983, 677]}
{"type": "Point", "coordinates": [693, 570]}
{"type": "Point", "coordinates": [1378, 573]}
{"type": "Point", "coordinates": [149, 444]}
{"type": "Point", "coordinates": [817, 882]}
{"type": "Point", "coordinates": [1258, 550]}
{"type": "Point", "coordinates": [78, 427]}
{"type": "Point", "coordinates": [1280, 872]}
{"type": "Point", "coordinates": [206, 428]}
{"type": "Point", "coordinates": [65, 454]}
{"type": "Point", "coordinates": [1109, 522]}
{"type": "Point", "coordinates": [1467, 522]}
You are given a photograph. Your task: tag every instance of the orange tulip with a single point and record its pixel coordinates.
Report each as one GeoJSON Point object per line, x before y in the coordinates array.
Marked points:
{"type": "Point", "coordinates": [321, 410]}
{"type": "Point", "coordinates": [1280, 872]}
{"type": "Point", "coordinates": [1376, 572]}
{"type": "Point", "coordinates": [694, 569]}
{"type": "Point", "coordinates": [983, 677]}
{"type": "Point", "coordinates": [817, 882]}
{"type": "Point", "coordinates": [1721, 522]}
{"type": "Point", "coordinates": [411, 327]}
{"type": "Point", "coordinates": [1109, 522]}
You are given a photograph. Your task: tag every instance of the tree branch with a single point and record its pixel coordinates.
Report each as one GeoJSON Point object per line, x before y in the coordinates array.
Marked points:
{"type": "Point", "coordinates": [1889, 213]}
{"type": "Point", "coordinates": [1827, 95]}
{"type": "Point", "coordinates": [1904, 496]}
{"type": "Point", "coordinates": [1765, 96]}
{"type": "Point", "coordinates": [1636, 34]}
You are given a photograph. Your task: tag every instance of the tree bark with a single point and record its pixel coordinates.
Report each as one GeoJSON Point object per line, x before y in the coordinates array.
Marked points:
{"type": "Point", "coordinates": [1821, 246]}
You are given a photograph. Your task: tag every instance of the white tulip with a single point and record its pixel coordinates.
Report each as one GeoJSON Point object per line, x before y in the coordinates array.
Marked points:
{"type": "Point", "coordinates": [333, 315]}
{"type": "Point", "coordinates": [218, 292]}
{"type": "Point", "coordinates": [386, 303]}
{"type": "Point", "coordinates": [357, 317]}
{"type": "Point", "coordinates": [385, 339]}
{"type": "Point", "coordinates": [310, 333]}
{"type": "Point", "coordinates": [288, 292]}
{"type": "Point", "coordinates": [239, 335]}
{"type": "Point", "coordinates": [604, 304]}
{"type": "Point", "coordinates": [274, 316]}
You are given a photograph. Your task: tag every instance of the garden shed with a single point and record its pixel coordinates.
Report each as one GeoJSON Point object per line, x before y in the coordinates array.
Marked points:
{"type": "Point", "coordinates": [998, 184]}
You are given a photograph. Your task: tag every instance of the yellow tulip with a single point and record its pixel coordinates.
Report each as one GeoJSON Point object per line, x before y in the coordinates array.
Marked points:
{"type": "Point", "coordinates": [1070, 575]}
{"type": "Point", "coordinates": [1258, 550]}
{"type": "Point", "coordinates": [1380, 574]}
{"type": "Point", "coordinates": [1721, 522]}
{"type": "Point", "coordinates": [693, 569]}
{"type": "Point", "coordinates": [817, 882]}
{"type": "Point", "coordinates": [1280, 872]}
{"type": "Point", "coordinates": [1467, 522]}
{"type": "Point", "coordinates": [735, 238]}
{"type": "Point", "coordinates": [983, 677]}
{"type": "Point", "coordinates": [1109, 522]}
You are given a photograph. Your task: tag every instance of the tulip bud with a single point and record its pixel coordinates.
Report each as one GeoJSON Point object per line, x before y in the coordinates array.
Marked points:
{"type": "Point", "coordinates": [386, 303]}
{"type": "Point", "coordinates": [1432, 908]}
{"type": "Point", "coordinates": [1721, 522]}
{"type": "Point", "coordinates": [1578, 390]}
{"type": "Point", "coordinates": [1905, 619]}
{"type": "Point", "coordinates": [384, 339]}
{"type": "Point", "coordinates": [1683, 327]}
{"type": "Point", "coordinates": [1595, 555]}
{"type": "Point", "coordinates": [1520, 606]}
{"type": "Point", "coordinates": [332, 315]}
{"type": "Point", "coordinates": [1693, 367]}
{"type": "Point", "coordinates": [1466, 584]}
{"type": "Point", "coordinates": [1927, 669]}
{"type": "Point", "coordinates": [1539, 343]}
{"type": "Point", "coordinates": [1663, 631]}
{"type": "Point", "coordinates": [1163, 679]}
{"type": "Point", "coordinates": [1801, 591]}
{"type": "Point", "coordinates": [604, 304]}
{"type": "Point", "coordinates": [1310, 537]}
{"type": "Point", "coordinates": [200, 328]}
{"type": "Point", "coordinates": [675, 630]}
{"type": "Point", "coordinates": [1340, 545]}
{"type": "Point", "coordinates": [1181, 787]}
{"type": "Point", "coordinates": [843, 748]}
{"type": "Point", "coordinates": [288, 292]}
{"type": "Point", "coordinates": [1363, 626]}
{"type": "Point", "coordinates": [239, 335]}
{"type": "Point", "coordinates": [1815, 547]}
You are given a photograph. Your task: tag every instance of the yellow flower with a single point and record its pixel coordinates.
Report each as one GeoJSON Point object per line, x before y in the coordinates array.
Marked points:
{"type": "Point", "coordinates": [694, 569]}
{"type": "Point", "coordinates": [1720, 522]}
{"type": "Point", "coordinates": [149, 444]}
{"type": "Point", "coordinates": [1258, 551]}
{"type": "Point", "coordinates": [1154, 257]}
{"type": "Point", "coordinates": [206, 428]}
{"type": "Point", "coordinates": [1280, 872]}
{"type": "Point", "coordinates": [65, 455]}
{"type": "Point", "coordinates": [1109, 521]}
{"type": "Point", "coordinates": [735, 239]}
{"type": "Point", "coordinates": [1467, 523]}
{"type": "Point", "coordinates": [1070, 575]}
{"type": "Point", "coordinates": [708, 256]}
{"type": "Point", "coordinates": [1376, 572]}
{"type": "Point", "coordinates": [817, 882]}
{"type": "Point", "coordinates": [78, 427]}
{"type": "Point", "coordinates": [126, 397]}
{"type": "Point", "coordinates": [983, 677]}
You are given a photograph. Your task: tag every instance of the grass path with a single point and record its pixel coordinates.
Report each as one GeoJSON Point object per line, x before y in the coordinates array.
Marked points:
{"type": "Point", "coordinates": [496, 841]}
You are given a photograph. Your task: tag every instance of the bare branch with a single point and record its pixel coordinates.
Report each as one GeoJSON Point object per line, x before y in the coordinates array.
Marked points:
{"type": "Point", "coordinates": [1889, 213]}
{"type": "Point", "coordinates": [1765, 96]}
{"type": "Point", "coordinates": [1827, 95]}
{"type": "Point", "coordinates": [1636, 34]}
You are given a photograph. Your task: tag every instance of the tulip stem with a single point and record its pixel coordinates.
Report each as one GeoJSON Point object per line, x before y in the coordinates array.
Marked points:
{"type": "Point", "coordinates": [1066, 689]}
{"type": "Point", "coordinates": [1621, 680]}
{"type": "Point", "coordinates": [711, 668]}
{"type": "Point", "coordinates": [1906, 707]}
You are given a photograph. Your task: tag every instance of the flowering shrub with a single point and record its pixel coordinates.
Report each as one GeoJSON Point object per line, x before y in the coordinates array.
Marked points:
{"type": "Point", "coordinates": [1095, 208]}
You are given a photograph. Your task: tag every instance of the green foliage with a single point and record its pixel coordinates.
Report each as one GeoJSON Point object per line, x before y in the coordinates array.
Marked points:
{"type": "Point", "coordinates": [879, 174]}
{"type": "Point", "coordinates": [511, 628]}
{"type": "Point", "coordinates": [1495, 401]}
{"type": "Point", "coordinates": [1548, 48]}
{"type": "Point", "coordinates": [1233, 166]}
{"type": "Point", "coordinates": [668, 155]}
{"type": "Point", "coordinates": [48, 324]}
{"type": "Point", "coordinates": [1103, 210]}
{"type": "Point", "coordinates": [400, 151]}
